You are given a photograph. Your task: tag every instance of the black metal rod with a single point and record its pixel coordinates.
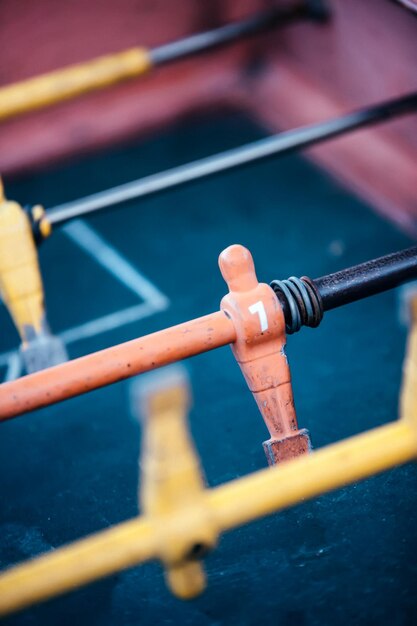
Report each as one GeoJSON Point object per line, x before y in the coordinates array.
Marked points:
{"type": "Point", "coordinates": [304, 300]}
{"type": "Point", "coordinates": [202, 42]}
{"type": "Point", "coordinates": [264, 148]}
{"type": "Point", "coordinates": [367, 279]}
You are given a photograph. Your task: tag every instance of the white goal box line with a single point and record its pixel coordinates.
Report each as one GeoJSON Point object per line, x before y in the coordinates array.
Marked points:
{"type": "Point", "coordinates": [152, 299]}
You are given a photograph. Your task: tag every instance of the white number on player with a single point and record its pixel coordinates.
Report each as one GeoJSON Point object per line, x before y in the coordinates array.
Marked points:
{"type": "Point", "coordinates": [258, 308]}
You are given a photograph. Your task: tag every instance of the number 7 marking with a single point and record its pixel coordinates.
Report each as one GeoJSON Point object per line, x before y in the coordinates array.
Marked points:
{"type": "Point", "coordinates": [258, 308]}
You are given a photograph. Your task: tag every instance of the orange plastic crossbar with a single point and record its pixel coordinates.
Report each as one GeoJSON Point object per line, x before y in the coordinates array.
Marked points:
{"type": "Point", "coordinates": [113, 364]}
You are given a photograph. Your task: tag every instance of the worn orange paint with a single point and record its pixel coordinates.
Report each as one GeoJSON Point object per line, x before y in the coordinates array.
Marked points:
{"type": "Point", "coordinates": [260, 351]}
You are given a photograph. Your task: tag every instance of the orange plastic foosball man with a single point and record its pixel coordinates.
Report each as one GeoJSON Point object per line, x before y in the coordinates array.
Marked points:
{"type": "Point", "coordinates": [260, 352]}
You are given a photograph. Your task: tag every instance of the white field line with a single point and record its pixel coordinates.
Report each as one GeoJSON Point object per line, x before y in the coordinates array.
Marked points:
{"type": "Point", "coordinates": [154, 300]}
{"type": "Point", "coordinates": [14, 367]}
{"type": "Point", "coordinates": [95, 327]}
{"type": "Point", "coordinates": [109, 322]}
{"type": "Point", "coordinates": [93, 244]}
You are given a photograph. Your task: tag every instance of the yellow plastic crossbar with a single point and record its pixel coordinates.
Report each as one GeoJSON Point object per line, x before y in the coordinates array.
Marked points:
{"type": "Point", "coordinates": [163, 532]}
{"type": "Point", "coordinates": [67, 83]}
{"type": "Point", "coordinates": [230, 505]}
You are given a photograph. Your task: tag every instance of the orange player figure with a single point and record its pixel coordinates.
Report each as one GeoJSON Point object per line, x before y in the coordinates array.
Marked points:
{"type": "Point", "coordinates": [260, 351]}
{"type": "Point", "coordinates": [251, 321]}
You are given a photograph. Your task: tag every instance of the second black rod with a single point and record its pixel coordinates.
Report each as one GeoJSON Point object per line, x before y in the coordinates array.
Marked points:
{"type": "Point", "coordinates": [237, 157]}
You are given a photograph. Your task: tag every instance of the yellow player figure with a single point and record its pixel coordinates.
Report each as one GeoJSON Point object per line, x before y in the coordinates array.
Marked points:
{"type": "Point", "coordinates": [172, 479]}
{"type": "Point", "coordinates": [21, 285]}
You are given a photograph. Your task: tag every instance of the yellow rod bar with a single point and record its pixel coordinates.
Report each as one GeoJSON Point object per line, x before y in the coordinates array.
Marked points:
{"type": "Point", "coordinates": [335, 466]}
{"type": "Point", "coordinates": [77, 564]}
{"type": "Point", "coordinates": [72, 81]}
{"type": "Point", "coordinates": [232, 504]}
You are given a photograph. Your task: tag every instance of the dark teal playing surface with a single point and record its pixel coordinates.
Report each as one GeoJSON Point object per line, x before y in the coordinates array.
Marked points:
{"type": "Point", "coordinates": [72, 469]}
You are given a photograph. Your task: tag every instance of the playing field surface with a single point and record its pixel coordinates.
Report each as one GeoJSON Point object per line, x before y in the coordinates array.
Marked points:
{"type": "Point", "coordinates": [72, 469]}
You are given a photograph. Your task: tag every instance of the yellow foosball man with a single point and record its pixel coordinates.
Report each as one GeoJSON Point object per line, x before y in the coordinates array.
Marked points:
{"type": "Point", "coordinates": [21, 285]}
